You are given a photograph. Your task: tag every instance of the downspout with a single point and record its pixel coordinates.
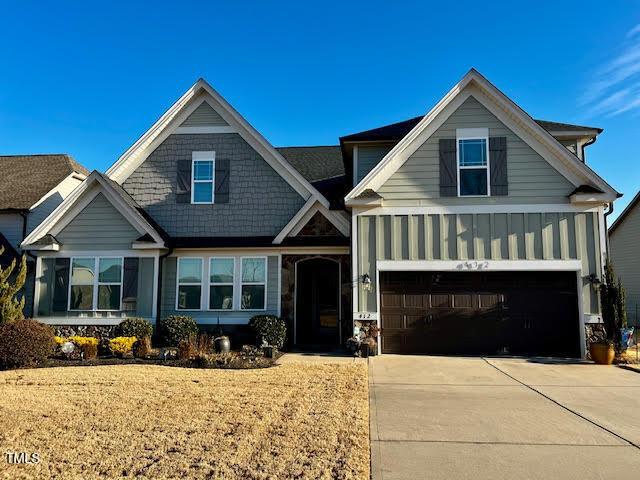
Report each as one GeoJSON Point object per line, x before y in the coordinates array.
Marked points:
{"type": "Point", "coordinates": [159, 299]}
{"type": "Point", "coordinates": [585, 145]}
{"type": "Point", "coordinates": [606, 228]}
{"type": "Point", "coordinates": [32, 256]}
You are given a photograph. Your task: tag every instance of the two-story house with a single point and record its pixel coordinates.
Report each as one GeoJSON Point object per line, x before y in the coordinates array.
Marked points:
{"type": "Point", "coordinates": [472, 229]}
{"type": "Point", "coordinates": [31, 187]}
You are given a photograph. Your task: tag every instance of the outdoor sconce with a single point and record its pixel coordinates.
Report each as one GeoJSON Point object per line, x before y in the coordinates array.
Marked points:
{"type": "Point", "coordinates": [366, 282]}
{"type": "Point", "coordinates": [594, 280]}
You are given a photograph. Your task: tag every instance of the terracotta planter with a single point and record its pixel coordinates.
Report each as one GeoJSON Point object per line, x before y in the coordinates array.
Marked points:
{"type": "Point", "coordinates": [602, 353]}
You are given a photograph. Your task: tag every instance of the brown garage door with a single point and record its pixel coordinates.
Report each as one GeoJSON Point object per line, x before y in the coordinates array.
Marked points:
{"type": "Point", "coordinates": [532, 313]}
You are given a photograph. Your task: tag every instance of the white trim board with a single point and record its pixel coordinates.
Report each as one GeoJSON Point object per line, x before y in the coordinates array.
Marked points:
{"type": "Point", "coordinates": [507, 112]}
{"type": "Point", "coordinates": [173, 118]}
{"type": "Point", "coordinates": [461, 209]}
{"type": "Point", "coordinates": [479, 265]}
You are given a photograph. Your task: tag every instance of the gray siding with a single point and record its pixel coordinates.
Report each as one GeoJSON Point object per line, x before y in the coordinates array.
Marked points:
{"type": "Point", "coordinates": [211, 317]}
{"type": "Point", "coordinates": [625, 255]}
{"type": "Point", "coordinates": [489, 236]}
{"type": "Point", "coordinates": [261, 202]}
{"type": "Point", "coordinates": [204, 115]}
{"type": "Point", "coordinates": [531, 178]}
{"type": "Point", "coordinates": [99, 226]}
{"type": "Point", "coordinates": [11, 228]}
{"type": "Point", "coordinates": [368, 157]}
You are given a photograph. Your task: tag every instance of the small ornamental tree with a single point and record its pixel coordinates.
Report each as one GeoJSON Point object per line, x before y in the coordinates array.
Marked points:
{"type": "Point", "coordinates": [11, 308]}
{"type": "Point", "coordinates": [613, 301]}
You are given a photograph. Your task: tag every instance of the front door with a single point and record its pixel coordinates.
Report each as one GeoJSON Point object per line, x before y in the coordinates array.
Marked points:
{"type": "Point", "coordinates": [317, 300]}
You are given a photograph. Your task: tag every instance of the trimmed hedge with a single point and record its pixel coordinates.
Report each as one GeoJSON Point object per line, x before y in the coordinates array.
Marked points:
{"type": "Point", "coordinates": [134, 327]}
{"type": "Point", "coordinates": [175, 329]}
{"type": "Point", "coordinates": [269, 330]}
{"type": "Point", "coordinates": [25, 343]}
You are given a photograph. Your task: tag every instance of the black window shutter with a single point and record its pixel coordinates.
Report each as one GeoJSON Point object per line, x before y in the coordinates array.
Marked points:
{"type": "Point", "coordinates": [183, 182]}
{"type": "Point", "coordinates": [61, 285]}
{"type": "Point", "coordinates": [221, 193]}
{"type": "Point", "coordinates": [498, 162]}
{"type": "Point", "coordinates": [448, 168]}
{"type": "Point", "coordinates": [130, 284]}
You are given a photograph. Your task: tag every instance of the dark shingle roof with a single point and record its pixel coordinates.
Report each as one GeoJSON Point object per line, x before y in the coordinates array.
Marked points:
{"type": "Point", "coordinates": [565, 127]}
{"type": "Point", "coordinates": [315, 163]}
{"type": "Point", "coordinates": [367, 194]}
{"type": "Point", "coordinates": [25, 179]}
{"type": "Point", "coordinates": [397, 131]}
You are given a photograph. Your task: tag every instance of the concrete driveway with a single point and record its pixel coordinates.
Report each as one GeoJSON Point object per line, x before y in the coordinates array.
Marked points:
{"type": "Point", "coordinates": [458, 417]}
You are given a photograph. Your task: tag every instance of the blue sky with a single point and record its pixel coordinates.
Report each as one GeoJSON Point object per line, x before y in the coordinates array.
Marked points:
{"type": "Point", "coordinates": [80, 78]}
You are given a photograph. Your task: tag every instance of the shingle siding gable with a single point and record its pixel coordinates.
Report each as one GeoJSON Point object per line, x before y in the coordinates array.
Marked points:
{"type": "Point", "coordinates": [261, 202]}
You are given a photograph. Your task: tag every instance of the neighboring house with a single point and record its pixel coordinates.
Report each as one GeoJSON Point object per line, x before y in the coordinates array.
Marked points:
{"type": "Point", "coordinates": [455, 232]}
{"type": "Point", "coordinates": [624, 244]}
{"type": "Point", "coordinates": [31, 187]}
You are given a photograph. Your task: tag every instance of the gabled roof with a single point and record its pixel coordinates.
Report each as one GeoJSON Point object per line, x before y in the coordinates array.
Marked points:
{"type": "Point", "coordinates": [621, 218]}
{"type": "Point", "coordinates": [25, 179]}
{"type": "Point", "coordinates": [201, 92]}
{"type": "Point", "coordinates": [474, 84]}
{"type": "Point", "coordinates": [152, 236]}
{"type": "Point", "coordinates": [397, 131]}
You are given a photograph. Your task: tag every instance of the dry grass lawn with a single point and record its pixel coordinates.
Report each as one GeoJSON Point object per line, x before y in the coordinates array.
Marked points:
{"type": "Point", "coordinates": [291, 421]}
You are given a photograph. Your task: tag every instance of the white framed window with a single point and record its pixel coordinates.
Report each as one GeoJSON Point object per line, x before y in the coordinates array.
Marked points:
{"type": "Point", "coordinates": [253, 283]}
{"type": "Point", "coordinates": [221, 283]}
{"type": "Point", "coordinates": [203, 177]}
{"type": "Point", "coordinates": [95, 284]}
{"type": "Point", "coordinates": [189, 284]}
{"type": "Point", "coordinates": [472, 153]}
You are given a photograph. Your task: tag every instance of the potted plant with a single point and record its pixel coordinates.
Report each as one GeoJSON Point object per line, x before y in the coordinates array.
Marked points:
{"type": "Point", "coordinates": [353, 345]}
{"type": "Point", "coordinates": [222, 344]}
{"type": "Point", "coordinates": [614, 316]}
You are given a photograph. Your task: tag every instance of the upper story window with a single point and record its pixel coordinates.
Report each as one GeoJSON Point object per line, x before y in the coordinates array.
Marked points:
{"type": "Point", "coordinates": [203, 177]}
{"type": "Point", "coordinates": [89, 291]}
{"type": "Point", "coordinates": [473, 162]}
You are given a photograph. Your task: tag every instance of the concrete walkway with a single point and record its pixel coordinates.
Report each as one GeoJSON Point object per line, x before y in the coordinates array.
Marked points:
{"type": "Point", "coordinates": [457, 417]}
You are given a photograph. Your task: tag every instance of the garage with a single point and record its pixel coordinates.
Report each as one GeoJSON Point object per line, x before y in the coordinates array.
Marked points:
{"type": "Point", "coordinates": [480, 313]}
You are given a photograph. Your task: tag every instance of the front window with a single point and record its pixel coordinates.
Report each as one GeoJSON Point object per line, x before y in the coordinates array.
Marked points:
{"type": "Point", "coordinates": [89, 291]}
{"type": "Point", "coordinates": [221, 279]}
{"type": "Point", "coordinates": [203, 177]}
{"type": "Point", "coordinates": [254, 274]}
{"type": "Point", "coordinates": [473, 162]}
{"type": "Point", "coordinates": [189, 283]}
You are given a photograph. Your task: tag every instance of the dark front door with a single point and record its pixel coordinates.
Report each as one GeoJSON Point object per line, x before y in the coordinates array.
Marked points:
{"type": "Point", "coordinates": [317, 300]}
{"type": "Point", "coordinates": [525, 313]}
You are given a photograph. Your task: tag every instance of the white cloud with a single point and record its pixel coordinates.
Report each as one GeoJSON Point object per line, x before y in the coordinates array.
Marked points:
{"type": "Point", "coordinates": [615, 87]}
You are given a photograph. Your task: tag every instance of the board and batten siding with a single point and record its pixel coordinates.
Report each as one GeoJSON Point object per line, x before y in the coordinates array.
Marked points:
{"type": "Point", "coordinates": [531, 178]}
{"type": "Point", "coordinates": [368, 157]}
{"type": "Point", "coordinates": [233, 317]}
{"type": "Point", "coordinates": [625, 256]}
{"type": "Point", "coordinates": [204, 115]}
{"type": "Point", "coordinates": [481, 236]}
{"type": "Point", "coordinates": [99, 226]}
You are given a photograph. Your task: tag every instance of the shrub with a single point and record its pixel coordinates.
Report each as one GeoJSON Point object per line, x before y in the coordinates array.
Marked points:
{"type": "Point", "coordinates": [142, 348]}
{"type": "Point", "coordinates": [25, 343]}
{"type": "Point", "coordinates": [175, 329]}
{"type": "Point", "coordinates": [187, 349]}
{"type": "Point", "coordinates": [59, 340]}
{"type": "Point", "coordinates": [134, 327]}
{"type": "Point", "coordinates": [87, 345]}
{"type": "Point", "coordinates": [11, 302]}
{"type": "Point", "coordinates": [121, 346]}
{"type": "Point", "coordinates": [269, 330]}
